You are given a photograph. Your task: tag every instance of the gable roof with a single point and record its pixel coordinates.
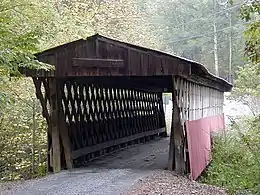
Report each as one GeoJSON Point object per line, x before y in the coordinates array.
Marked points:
{"type": "Point", "coordinates": [94, 37]}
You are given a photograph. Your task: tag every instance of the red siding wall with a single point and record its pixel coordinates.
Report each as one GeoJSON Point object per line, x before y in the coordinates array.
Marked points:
{"type": "Point", "coordinates": [199, 141]}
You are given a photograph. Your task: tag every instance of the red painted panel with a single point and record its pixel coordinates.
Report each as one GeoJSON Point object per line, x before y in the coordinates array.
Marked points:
{"type": "Point", "coordinates": [199, 141]}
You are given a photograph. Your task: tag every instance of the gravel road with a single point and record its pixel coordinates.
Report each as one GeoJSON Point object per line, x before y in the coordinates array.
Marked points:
{"type": "Point", "coordinates": [112, 174]}
{"type": "Point", "coordinates": [134, 170]}
{"type": "Point", "coordinates": [167, 183]}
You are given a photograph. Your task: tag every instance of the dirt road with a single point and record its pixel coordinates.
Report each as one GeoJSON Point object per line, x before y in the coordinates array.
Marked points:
{"type": "Point", "coordinates": [135, 170]}
{"type": "Point", "coordinates": [112, 174]}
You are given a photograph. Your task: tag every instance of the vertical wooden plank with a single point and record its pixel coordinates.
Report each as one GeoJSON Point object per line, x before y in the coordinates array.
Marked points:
{"type": "Point", "coordinates": [187, 100]}
{"type": "Point", "coordinates": [162, 115]}
{"type": "Point", "coordinates": [171, 158]}
{"type": "Point", "coordinates": [177, 136]}
{"type": "Point", "coordinates": [54, 123]}
{"type": "Point", "coordinates": [209, 102]}
{"type": "Point", "coordinates": [63, 129]}
{"type": "Point", "coordinates": [206, 101]}
{"type": "Point", "coordinates": [66, 143]}
{"type": "Point", "coordinates": [217, 102]}
{"type": "Point", "coordinates": [185, 105]}
{"type": "Point", "coordinates": [194, 102]}
{"type": "Point", "coordinates": [184, 110]}
{"type": "Point", "coordinates": [222, 101]}
{"type": "Point", "coordinates": [208, 105]}
{"type": "Point", "coordinates": [201, 100]}
{"type": "Point", "coordinates": [214, 102]}
{"type": "Point", "coordinates": [190, 101]}
{"type": "Point", "coordinates": [179, 87]}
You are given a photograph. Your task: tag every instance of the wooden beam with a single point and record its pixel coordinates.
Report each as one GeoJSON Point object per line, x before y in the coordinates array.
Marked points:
{"type": "Point", "coordinates": [97, 63]}
{"type": "Point", "coordinates": [178, 136]}
{"type": "Point", "coordinates": [98, 147]}
{"type": "Point", "coordinates": [64, 134]}
{"type": "Point", "coordinates": [162, 116]}
{"type": "Point", "coordinates": [171, 158]}
{"type": "Point", "coordinates": [56, 154]}
{"type": "Point", "coordinates": [63, 129]}
{"type": "Point", "coordinates": [28, 72]}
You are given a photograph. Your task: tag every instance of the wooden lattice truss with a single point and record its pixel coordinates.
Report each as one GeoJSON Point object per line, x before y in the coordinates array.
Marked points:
{"type": "Point", "coordinates": [190, 102]}
{"type": "Point", "coordinates": [91, 119]}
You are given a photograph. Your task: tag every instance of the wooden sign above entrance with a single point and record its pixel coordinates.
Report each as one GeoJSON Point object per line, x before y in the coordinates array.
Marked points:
{"type": "Point", "coordinates": [97, 63]}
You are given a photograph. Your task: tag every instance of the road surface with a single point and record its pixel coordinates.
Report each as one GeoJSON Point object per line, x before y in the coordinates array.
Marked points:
{"type": "Point", "coordinates": [110, 175]}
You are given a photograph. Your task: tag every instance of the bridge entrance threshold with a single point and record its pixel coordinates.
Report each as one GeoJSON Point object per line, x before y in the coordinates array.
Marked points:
{"type": "Point", "coordinates": [112, 174]}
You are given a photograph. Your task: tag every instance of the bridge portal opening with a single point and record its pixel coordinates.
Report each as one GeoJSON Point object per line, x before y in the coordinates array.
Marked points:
{"type": "Point", "coordinates": [105, 95]}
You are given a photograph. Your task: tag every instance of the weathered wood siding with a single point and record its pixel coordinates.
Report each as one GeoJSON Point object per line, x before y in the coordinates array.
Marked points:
{"type": "Point", "coordinates": [136, 61]}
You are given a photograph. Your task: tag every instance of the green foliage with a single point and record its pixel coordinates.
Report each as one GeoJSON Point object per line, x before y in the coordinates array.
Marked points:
{"type": "Point", "coordinates": [247, 88]}
{"type": "Point", "coordinates": [75, 19]}
{"type": "Point", "coordinates": [16, 44]}
{"type": "Point", "coordinates": [236, 159]}
{"type": "Point", "coordinates": [185, 28]}
{"type": "Point", "coordinates": [123, 20]}
{"type": "Point", "coordinates": [22, 155]}
{"type": "Point", "coordinates": [251, 12]}
{"type": "Point", "coordinates": [23, 142]}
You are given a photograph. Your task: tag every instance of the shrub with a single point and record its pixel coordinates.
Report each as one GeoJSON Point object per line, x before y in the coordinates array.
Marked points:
{"type": "Point", "coordinates": [236, 159]}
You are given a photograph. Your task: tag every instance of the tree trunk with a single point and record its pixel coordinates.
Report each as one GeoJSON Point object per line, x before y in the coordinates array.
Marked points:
{"type": "Point", "coordinates": [33, 138]}
{"type": "Point", "coordinates": [215, 39]}
{"type": "Point", "coordinates": [230, 49]}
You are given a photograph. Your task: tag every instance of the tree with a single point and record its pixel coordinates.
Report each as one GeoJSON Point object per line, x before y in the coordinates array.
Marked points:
{"type": "Point", "coordinates": [251, 12]}
{"type": "Point", "coordinates": [17, 44]}
{"type": "Point", "coordinates": [74, 19]}
{"type": "Point", "coordinates": [186, 29]}
{"type": "Point", "coordinates": [247, 88]}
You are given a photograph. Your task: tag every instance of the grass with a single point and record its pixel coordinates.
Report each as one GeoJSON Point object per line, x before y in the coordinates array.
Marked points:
{"type": "Point", "coordinates": [236, 156]}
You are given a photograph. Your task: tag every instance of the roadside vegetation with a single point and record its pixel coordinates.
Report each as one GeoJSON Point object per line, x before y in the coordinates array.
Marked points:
{"type": "Point", "coordinates": [236, 154]}
{"type": "Point", "coordinates": [236, 159]}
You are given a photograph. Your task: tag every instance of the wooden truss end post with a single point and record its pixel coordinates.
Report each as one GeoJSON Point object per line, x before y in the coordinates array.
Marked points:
{"type": "Point", "coordinates": [56, 149]}
{"type": "Point", "coordinates": [176, 152]}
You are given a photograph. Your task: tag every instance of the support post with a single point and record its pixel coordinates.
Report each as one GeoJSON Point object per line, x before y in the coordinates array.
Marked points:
{"type": "Point", "coordinates": [171, 158]}
{"type": "Point", "coordinates": [63, 129]}
{"type": "Point", "coordinates": [65, 141]}
{"type": "Point", "coordinates": [56, 151]}
{"type": "Point", "coordinates": [176, 152]}
{"type": "Point", "coordinates": [162, 116]}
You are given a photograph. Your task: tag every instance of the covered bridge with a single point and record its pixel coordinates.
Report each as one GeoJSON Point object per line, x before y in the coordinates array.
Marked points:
{"type": "Point", "coordinates": [105, 94]}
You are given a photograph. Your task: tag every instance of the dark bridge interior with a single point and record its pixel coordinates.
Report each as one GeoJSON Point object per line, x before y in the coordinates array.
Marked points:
{"type": "Point", "coordinates": [105, 114]}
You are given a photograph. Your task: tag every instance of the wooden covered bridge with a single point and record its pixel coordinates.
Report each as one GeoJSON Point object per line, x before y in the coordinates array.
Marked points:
{"type": "Point", "coordinates": [106, 94]}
